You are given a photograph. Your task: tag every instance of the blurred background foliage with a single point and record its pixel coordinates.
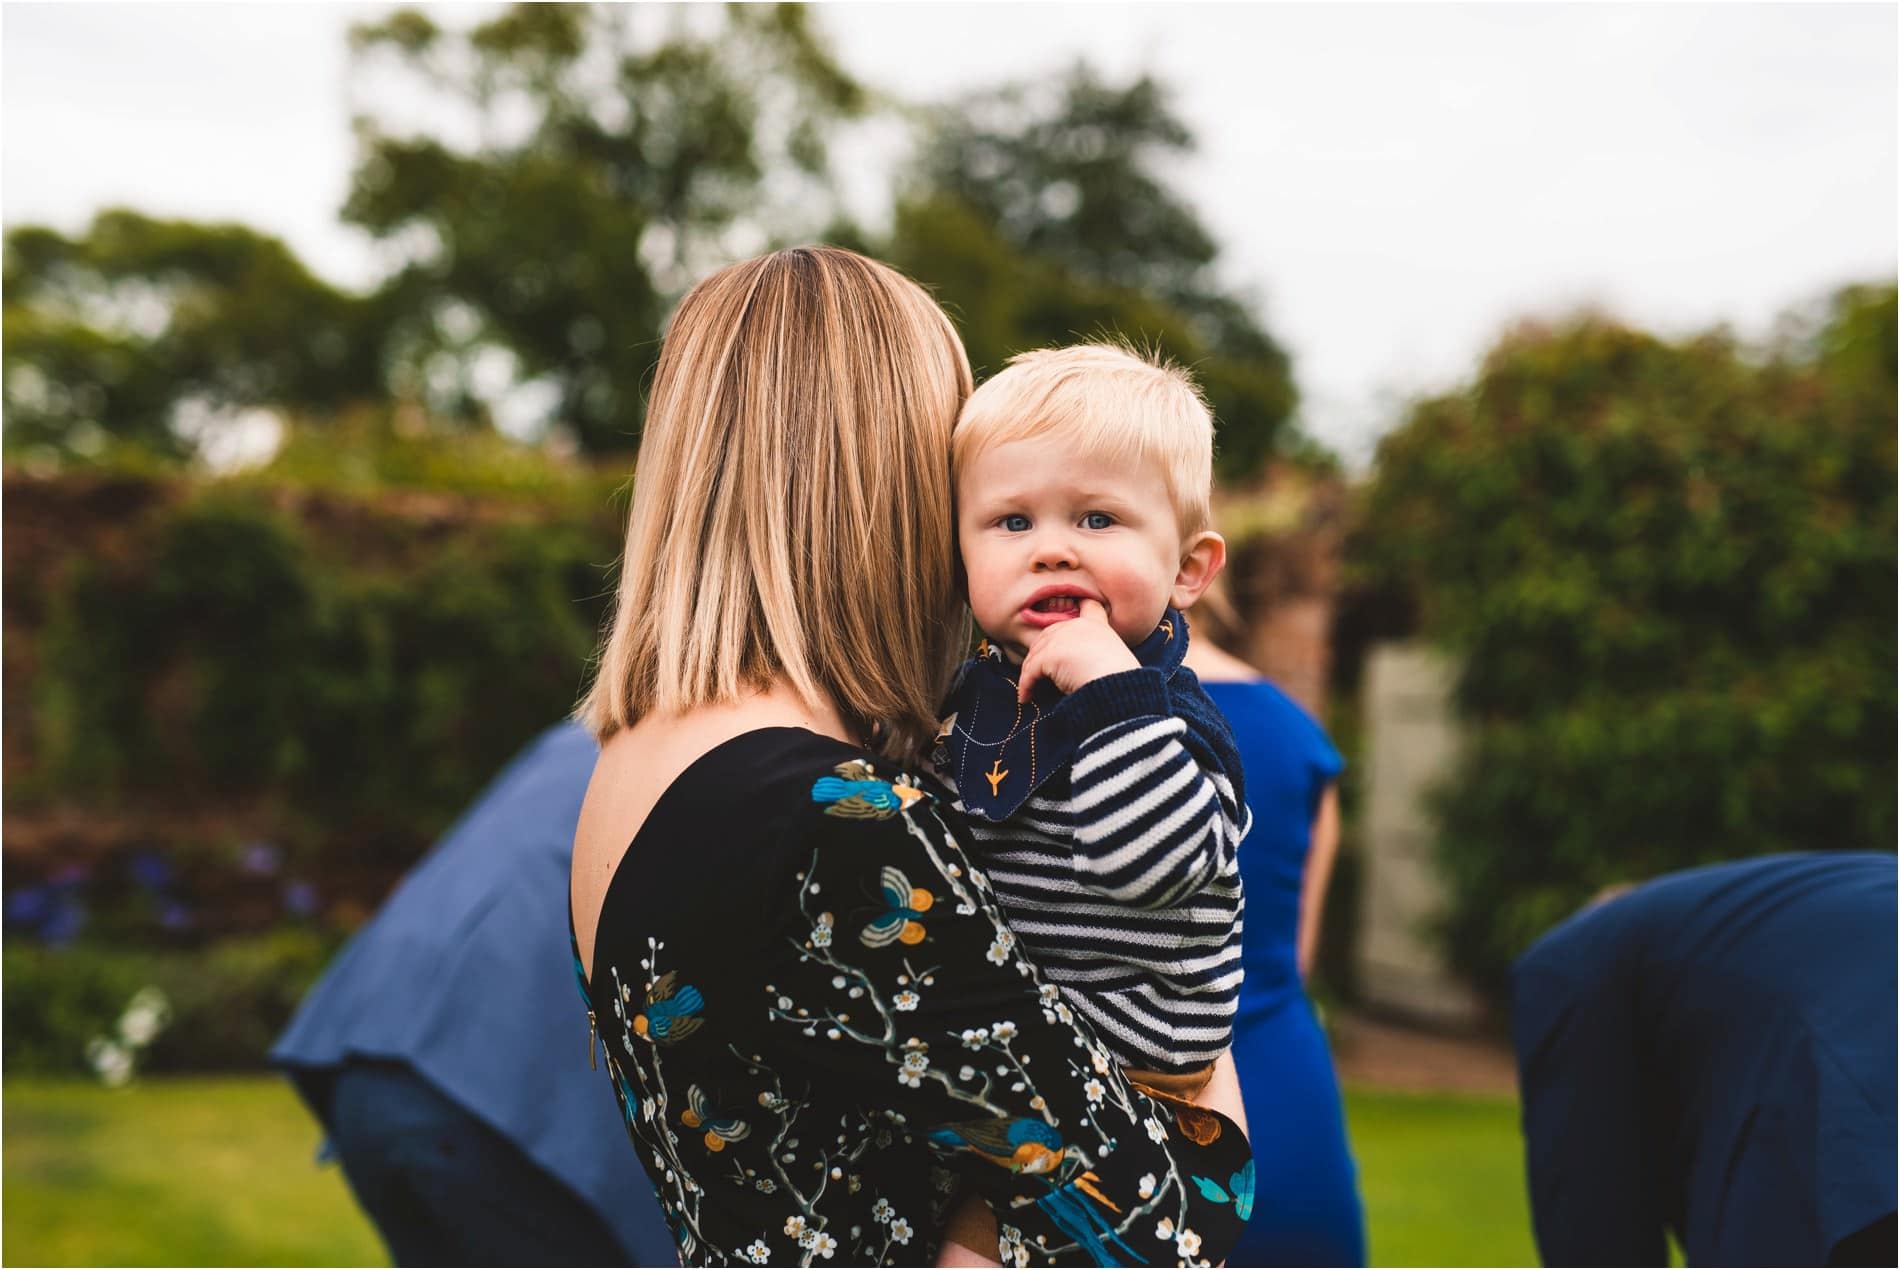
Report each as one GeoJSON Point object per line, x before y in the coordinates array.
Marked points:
{"type": "Point", "coordinates": [575, 168]}
{"type": "Point", "coordinates": [1666, 569]}
{"type": "Point", "coordinates": [290, 570]}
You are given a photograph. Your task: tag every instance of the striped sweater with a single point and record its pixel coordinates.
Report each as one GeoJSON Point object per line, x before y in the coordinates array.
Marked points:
{"type": "Point", "coordinates": [1119, 874]}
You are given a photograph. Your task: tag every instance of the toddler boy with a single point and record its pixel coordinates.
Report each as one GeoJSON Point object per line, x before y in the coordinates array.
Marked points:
{"type": "Point", "coordinates": [1101, 784]}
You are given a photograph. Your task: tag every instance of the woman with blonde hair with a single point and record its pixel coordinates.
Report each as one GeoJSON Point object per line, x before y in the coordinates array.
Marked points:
{"type": "Point", "coordinates": [818, 1025]}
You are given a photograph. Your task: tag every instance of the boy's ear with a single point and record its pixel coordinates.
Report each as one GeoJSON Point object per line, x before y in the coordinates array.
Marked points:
{"type": "Point", "coordinates": [1201, 563]}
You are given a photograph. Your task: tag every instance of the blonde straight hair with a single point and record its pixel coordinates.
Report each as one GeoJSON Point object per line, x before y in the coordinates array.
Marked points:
{"type": "Point", "coordinates": [791, 502]}
{"type": "Point", "coordinates": [1106, 399]}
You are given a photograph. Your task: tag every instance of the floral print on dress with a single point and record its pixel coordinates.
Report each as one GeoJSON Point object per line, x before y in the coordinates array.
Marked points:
{"type": "Point", "coordinates": [767, 1132]}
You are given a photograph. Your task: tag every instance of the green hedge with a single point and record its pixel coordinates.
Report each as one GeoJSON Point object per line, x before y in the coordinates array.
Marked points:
{"type": "Point", "coordinates": [333, 673]}
{"type": "Point", "coordinates": [238, 654]}
{"type": "Point", "coordinates": [1667, 571]}
{"type": "Point", "coordinates": [227, 1002]}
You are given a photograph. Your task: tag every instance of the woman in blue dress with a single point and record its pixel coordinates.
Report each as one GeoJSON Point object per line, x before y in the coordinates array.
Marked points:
{"type": "Point", "coordinates": [1286, 1071]}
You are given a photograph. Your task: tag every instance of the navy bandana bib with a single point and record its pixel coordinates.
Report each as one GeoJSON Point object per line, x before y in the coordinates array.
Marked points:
{"type": "Point", "coordinates": [999, 751]}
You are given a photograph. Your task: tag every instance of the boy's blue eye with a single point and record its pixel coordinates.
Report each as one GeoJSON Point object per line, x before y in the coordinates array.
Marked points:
{"type": "Point", "coordinates": [1016, 524]}
{"type": "Point", "coordinates": [1097, 520]}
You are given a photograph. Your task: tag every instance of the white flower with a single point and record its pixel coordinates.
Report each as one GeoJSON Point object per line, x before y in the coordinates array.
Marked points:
{"type": "Point", "coordinates": [758, 1253]}
{"type": "Point", "coordinates": [824, 1245]}
{"type": "Point", "coordinates": [916, 1061]}
{"type": "Point", "coordinates": [1003, 1031]}
{"type": "Point", "coordinates": [808, 1239]}
{"type": "Point", "coordinates": [1064, 1013]}
{"type": "Point", "coordinates": [1000, 946]}
{"type": "Point", "coordinates": [881, 1211]}
{"type": "Point", "coordinates": [647, 1106]}
{"type": "Point", "coordinates": [900, 1231]}
{"type": "Point", "coordinates": [1146, 1187]}
{"type": "Point", "coordinates": [1049, 993]}
{"type": "Point", "coordinates": [975, 1038]}
{"type": "Point", "coordinates": [1187, 1243]}
{"type": "Point", "coordinates": [821, 937]}
{"type": "Point", "coordinates": [909, 1078]}
{"type": "Point", "coordinates": [1165, 1229]}
{"type": "Point", "coordinates": [1155, 1130]}
{"type": "Point", "coordinates": [795, 1227]}
{"type": "Point", "coordinates": [110, 1059]}
{"type": "Point", "coordinates": [765, 1186]}
{"type": "Point", "coordinates": [1096, 1091]}
{"type": "Point", "coordinates": [145, 1017]}
{"type": "Point", "coordinates": [1099, 1061]}
{"type": "Point", "coordinates": [906, 1000]}
{"type": "Point", "coordinates": [1009, 1247]}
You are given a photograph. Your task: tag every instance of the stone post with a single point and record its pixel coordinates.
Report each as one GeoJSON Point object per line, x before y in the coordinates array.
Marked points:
{"type": "Point", "coordinates": [1411, 742]}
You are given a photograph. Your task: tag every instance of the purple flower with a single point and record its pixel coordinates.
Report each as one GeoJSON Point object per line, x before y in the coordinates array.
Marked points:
{"type": "Point", "coordinates": [261, 858]}
{"type": "Point", "coordinates": [300, 897]}
{"type": "Point", "coordinates": [64, 923]}
{"type": "Point", "coordinates": [29, 905]}
{"type": "Point", "coordinates": [149, 870]}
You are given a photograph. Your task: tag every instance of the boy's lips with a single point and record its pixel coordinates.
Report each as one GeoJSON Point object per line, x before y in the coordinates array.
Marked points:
{"type": "Point", "coordinates": [1051, 604]}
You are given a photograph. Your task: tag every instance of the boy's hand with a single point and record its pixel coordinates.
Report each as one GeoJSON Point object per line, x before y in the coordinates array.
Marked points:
{"type": "Point", "coordinates": [1078, 651]}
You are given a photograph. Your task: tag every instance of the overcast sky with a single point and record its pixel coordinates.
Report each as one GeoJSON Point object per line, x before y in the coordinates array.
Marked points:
{"type": "Point", "coordinates": [1392, 182]}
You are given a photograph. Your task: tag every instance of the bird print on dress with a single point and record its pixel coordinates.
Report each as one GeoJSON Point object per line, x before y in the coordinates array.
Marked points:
{"type": "Point", "coordinates": [1076, 1205]}
{"type": "Point", "coordinates": [904, 906]}
{"type": "Point", "coordinates": [1021, 1145]}
{"type": "Point", "coordinates": [855, 793]}
{"type": "Point", "coordinates": [668, 1017]}
{"type": "Point", "coordinates": [719, 1129]}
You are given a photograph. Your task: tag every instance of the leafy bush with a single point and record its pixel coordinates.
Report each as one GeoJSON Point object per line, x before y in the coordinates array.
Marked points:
{"type": "Point", "coordinates": [227, 1002]}
{"type": "Point", "coordinates": [338, 674]}
{"type": "Point", "coordinates": [1667, 570]}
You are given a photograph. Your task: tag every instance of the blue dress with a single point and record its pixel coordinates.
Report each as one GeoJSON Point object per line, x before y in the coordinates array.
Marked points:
{"type": "Point", "coordinates": [1309, 1211]}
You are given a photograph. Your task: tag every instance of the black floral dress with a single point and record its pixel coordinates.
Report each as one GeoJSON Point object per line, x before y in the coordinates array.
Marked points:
{"type": "Point", "coordinates": [820, 1030]}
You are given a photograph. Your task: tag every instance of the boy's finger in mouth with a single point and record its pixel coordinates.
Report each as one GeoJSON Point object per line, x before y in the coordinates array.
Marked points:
{"type": "Point", "coordinates": [1054, 604]}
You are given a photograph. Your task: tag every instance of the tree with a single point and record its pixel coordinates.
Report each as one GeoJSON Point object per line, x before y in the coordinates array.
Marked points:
{"type": "Point", "coordinates": [613, 155]}
{"type": "Point", "coordinates": [110, 334]}
{"type": "Point", "coordinates": [1666, 572]}
{"type": "Point", "coordinates": [1040, 216]}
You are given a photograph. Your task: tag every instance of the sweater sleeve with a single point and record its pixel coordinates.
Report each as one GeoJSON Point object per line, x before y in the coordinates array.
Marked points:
{"type": "Point", "coordinates": [1153, 818]}
{"type": "Point", "coordinates": [925, 1003]}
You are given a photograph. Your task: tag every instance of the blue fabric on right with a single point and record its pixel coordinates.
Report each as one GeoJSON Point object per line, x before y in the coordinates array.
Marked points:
{"type": "Point", "coordinates": [1713, 1054]}
{"type": "Point", "coordinates": [1308, 1211]}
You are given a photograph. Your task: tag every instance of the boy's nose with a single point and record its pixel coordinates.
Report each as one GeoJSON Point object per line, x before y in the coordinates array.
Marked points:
{"type": "Point", "coordinates": [1054, 551]}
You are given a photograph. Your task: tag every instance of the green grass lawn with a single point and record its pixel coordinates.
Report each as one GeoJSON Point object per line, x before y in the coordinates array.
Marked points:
{"type": "Point", "coordinates": [173, 1172]}
{"type": "Point", "coordinates": [219, 1172]}
{"type": "Point", "coordinates": [1442, 1176]}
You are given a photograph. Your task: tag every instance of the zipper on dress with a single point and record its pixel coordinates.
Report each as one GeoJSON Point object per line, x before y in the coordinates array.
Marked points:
{"type": "Point", "coordinates": [593, 1030]}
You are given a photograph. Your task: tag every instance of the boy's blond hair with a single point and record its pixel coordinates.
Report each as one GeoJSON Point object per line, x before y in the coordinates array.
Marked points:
{"type": "Point", "coordinates": [1106, 399]}
{"type": "Point", "coordinates": [791, 502]}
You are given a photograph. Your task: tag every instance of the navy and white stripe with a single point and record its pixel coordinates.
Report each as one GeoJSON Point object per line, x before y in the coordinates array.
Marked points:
{"type": "Point", "coordinates": [1120, 876]}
